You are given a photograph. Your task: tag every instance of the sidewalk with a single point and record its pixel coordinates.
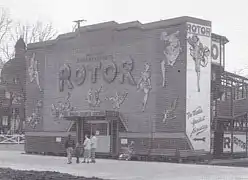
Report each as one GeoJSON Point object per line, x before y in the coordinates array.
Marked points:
{"type": "Point", "coordinates": [121, 170]}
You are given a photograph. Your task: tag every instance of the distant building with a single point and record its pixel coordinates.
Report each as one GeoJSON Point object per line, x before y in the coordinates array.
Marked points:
{"type": "Point", "coordinates": [12, 91]}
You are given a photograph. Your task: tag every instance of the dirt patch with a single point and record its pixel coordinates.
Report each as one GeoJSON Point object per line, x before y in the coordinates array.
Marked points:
{"type": "Point", "coordinates": [10, 174]}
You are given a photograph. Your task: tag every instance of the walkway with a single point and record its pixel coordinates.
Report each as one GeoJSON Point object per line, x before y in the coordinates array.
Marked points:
{"type": "Point", "coordinates": [122, 170]}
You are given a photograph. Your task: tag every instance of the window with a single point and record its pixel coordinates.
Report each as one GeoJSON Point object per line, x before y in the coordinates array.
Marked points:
{"type": "Point", "coordinates": [5, 121]}
{"type": "Point", "coordinates": [7, 95]}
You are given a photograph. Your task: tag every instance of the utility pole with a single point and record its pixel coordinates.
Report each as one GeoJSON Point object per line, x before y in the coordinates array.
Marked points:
{"type": "Point", "coordinates": [78, 22]}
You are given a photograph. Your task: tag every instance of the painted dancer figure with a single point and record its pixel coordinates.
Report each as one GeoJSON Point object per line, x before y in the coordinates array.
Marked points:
{"type": "Point", "coordinates": [199, 54]}
{"type": "Point", "coordinates": [171, 52]}
{"type": "Point", "coordinates": [117, 100]}
{"type": "Point", "coordinates": [97, 97]}
{"type": "Point", "coordinates": [145, 84]}
{"type": "Point", "coordinates": [89, 98]}
{"type": "Point", "coordinates": [33, 71]}
{"type": "Point", "coordinates": [169, 113]}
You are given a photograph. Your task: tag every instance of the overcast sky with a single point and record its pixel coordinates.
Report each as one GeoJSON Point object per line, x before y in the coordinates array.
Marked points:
{"type": "Point", "coordinates": [229, 17]}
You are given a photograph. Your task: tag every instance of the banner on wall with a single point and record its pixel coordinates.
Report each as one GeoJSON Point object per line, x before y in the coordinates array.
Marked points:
{"type": "Point", "coordinates": [198, 86]}
{"type": "Point", "coordinates": [239, 143]}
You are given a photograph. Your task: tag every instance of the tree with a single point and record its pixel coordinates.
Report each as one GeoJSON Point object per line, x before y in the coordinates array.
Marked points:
{"type": "Point", "coordinates": [5, 25]}
{"type": "Point", "coordinates": [242, 72]}
{"type": "Point", "coordinates": [31, 33]}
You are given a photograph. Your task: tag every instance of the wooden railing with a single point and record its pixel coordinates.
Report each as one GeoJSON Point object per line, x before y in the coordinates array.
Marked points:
{"type": "Point", "coordinates": [12, 139]}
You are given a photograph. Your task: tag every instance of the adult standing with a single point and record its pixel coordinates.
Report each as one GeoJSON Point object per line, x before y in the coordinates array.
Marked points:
{"type": "Point", "coordinates": [69, 146]}
{"type": "Point", "coordinates": [93, 147]}
{"type": "Point", "coordinates": [87, 148]}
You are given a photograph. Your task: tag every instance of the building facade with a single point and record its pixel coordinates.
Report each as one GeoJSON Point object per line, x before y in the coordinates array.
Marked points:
{"type": "Point", "coordinates": [13, 92]}
{"type": "Point", "coordinates": [151, 84]}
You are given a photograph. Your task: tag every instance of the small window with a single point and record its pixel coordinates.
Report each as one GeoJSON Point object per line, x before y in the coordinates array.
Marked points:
{"type": "Point", "coordinates": [7, 95]}
{"type": "Point", "coordinates": [5, 121]}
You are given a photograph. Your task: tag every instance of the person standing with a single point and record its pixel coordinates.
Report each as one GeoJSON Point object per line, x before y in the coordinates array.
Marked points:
{"type": "Point", "coordinates": [69, 146]}
{"type": "Point", "coordinates": [87, 148]}
{"type": "Point", "coordinates": [93, 147]}
{"type": "Point", "coordinates": [77, 152]}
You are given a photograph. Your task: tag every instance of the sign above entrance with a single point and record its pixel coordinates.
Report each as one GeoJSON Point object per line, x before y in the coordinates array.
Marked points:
{"type": "Point", "coordinates": [69, 114]}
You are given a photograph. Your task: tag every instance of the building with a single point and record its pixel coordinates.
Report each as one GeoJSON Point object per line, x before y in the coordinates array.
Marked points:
{"type": "Point", "coordinates": [154, 84]}
{"type": "Point", "coordinates": [12, 92]}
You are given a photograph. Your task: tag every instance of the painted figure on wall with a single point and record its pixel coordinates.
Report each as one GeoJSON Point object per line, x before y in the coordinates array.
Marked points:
{"type": "Point", "coordinates": [35, 117]}
{"type": "Point", "coordinates": [117, 100]}
{"type": "Point", "coordinates": [144, 84]}
{"type": "Point", "coordinates": [61, 107]}
{"type": "Point", "coordinates": [200, 54]}
{"type": "Point", "coordinates": [171, 52]}
{"type": "Point", "coordinates": [33, 71]}
{"type": "Point", "coordinates": [93, 99]}
{"type": "Point", "coordinates": [169, 113]}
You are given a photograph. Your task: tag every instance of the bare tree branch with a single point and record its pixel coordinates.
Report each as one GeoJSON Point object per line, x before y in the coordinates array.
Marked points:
{"type": "Point", "coordinates": [5, 23]}
{"type": "Point", "coordinates": [31, 33]}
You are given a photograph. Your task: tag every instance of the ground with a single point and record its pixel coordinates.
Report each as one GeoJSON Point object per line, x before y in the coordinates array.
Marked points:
{"type": "Point", "coordinates": [121, 170]}
{"type": "Point", "coordinates": [10, 174]}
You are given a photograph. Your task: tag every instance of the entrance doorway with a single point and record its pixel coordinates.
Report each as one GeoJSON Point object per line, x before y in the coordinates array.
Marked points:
{"type": "Point", "coordinates": [101, 128]}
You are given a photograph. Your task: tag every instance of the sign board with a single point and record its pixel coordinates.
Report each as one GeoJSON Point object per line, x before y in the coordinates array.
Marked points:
{"type": "Point", "coordinates": [58, 139]}
{"type": "Point", "coordinates": [217, 52]}
{"type": "Point", "coordinates": [239, 143]}
{"type": "Point", "coordinates": [123, 141]}
{"type": "Point", "coordinates": [198, 87]}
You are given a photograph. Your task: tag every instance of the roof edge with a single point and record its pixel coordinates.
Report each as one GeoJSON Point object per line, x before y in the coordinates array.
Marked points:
{"type": "Point", "coordinates": [122, 26]}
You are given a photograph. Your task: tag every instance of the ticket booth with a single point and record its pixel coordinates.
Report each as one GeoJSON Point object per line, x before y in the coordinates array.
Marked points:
{"type": "Point", "coordinates": [105, 124]}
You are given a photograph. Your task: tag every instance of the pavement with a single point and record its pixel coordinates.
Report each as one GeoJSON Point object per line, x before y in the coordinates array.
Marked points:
{"type": "Point", "coordinates": [122, 170]}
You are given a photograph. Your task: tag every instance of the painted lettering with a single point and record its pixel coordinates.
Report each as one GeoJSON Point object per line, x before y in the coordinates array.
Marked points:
{"type": "Point", "coordinates": [197, 120]}
{"type": "Point", "coordinates": [195, 112]}
{"type": "Point", "coordinates": [125, 72]}
{"type": "Point", "coordinates": [108, 70]}
{"type": "Point", "coordinates": [199, 130]}
{"type": "Point", "coordinates": [93, 68]}
{"type": "Point", "coordinates": [80, 75]}
{"type": "Point", "coordinates": [198, 29]}
{"type": "Point", "coordinates": [110, 73]}
{"type": "Point", "coordinates": [65, 77]}
{"type": "Point", "coordinates": [236, 141]}
{"type": "Point", "coordinates": [227, 142]}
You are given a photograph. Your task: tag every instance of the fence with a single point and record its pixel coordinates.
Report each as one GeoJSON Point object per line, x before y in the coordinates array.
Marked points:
{"type": "Point", "coordinates": [12, 139]}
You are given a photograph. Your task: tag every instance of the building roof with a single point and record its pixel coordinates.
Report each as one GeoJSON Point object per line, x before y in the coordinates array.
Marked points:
{"type": "Point", "coordinates": [122, 26]}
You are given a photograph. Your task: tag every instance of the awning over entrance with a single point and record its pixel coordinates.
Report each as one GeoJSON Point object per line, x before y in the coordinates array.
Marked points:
{"type": "Point", "coordinates": [74, 115]}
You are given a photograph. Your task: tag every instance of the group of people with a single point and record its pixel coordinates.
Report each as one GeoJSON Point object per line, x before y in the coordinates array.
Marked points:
{"type": "Point", "coordinates": [89, 149]}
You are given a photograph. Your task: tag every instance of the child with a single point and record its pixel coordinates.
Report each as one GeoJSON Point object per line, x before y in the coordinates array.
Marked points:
{"type": "Point", "coordinates": [77, 152]}
{"type": "Point", "coordinates": [87, 147]}
{"type": "Point", "coordinates": [93, 141]}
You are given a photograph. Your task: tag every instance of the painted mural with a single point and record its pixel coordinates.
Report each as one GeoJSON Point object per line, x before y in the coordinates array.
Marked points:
{"type": "Point", "coordinates": [62, 106]}
{"type": "Point", "coordinates": [171, 52]}
{"type": "Point", "coordinates": [33, 71]}
{"type": "Point", "coordinates": [93, 97]}
{"type": "Point", "coordinates": [198, 86]}
{"type": "Point", "coordinates": [118, 99]}
{"type": "Point", "coordinates": [144, 84]}
{"type": "Point", "coordinates": [169, 113]}
{"type": "Point", "coordinates": [36, 116]}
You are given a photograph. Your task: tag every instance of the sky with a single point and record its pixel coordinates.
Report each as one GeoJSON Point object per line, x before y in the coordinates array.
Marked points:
{"type": "Point", "coordinates": [229, 17]}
